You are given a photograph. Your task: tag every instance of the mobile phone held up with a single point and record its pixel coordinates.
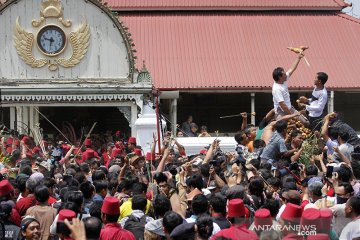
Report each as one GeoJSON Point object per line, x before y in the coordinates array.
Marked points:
{"type": "Point", "coordinates": [329, 171]}
{"type": "Point", "coordinates": [61, 228]}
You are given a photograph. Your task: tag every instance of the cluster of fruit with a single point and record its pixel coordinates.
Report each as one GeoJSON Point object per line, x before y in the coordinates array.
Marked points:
{"type": "Point", "coordinates": [295, 124]}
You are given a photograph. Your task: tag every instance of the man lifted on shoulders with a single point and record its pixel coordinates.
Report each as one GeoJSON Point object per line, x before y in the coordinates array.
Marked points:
{"type": "Point", "coordinates": [280, 92]}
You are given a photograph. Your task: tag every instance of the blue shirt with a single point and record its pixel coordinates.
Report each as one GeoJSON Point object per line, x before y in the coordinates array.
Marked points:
{"type": "Point", "coordinates": [275, 148]}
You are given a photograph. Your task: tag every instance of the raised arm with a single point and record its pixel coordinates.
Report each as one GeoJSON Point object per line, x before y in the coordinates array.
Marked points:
{"type": "Point", "coordinates": [295, 64]}
{"type": "Point", "coordinates": [244, 120]}
{"type": "Point", "coordinates": [161, 165]}
{"type": "Point", "coordinates": [209, 153]}
{"type": "Point", "coordinates": [324, 129]}
{"type": "Point", "coordinates": [2, 146]}
{"type": "Point", "coordinates": [123, 170]}
{"type": "Point", "coordinates": [218, 181]}
{"type": "Point", "coordinates": [344, 158]}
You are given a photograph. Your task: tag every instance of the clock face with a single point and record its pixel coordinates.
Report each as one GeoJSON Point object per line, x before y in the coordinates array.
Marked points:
{"type": "Point", "coordinates": [51, 40]}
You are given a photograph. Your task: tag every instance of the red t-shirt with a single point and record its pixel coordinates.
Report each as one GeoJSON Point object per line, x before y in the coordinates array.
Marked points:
{"type": "Point", "coordinates": [51, 200]}
{"type": "Point", "coordinates": [15, 217]}
{"type": "Point", "coordinates": [113, 231]}
{"type": "Point", "coordinates": [24, 204]}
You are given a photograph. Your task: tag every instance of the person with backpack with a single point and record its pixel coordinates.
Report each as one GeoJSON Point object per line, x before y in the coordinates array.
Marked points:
{"type": "Point", "coordinates": [135, 222]}
{"type": "Point", "coordinates": [110, 212]}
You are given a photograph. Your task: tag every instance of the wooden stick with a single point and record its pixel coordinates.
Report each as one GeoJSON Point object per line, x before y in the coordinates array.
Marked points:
{"type": "Point", "coordinates": [237, 115]}
{"type": "Point", "coordinates": [88, 135]}
{"type": "Point", "coordinates": [297, 179]}
{"type": "Point", "coordinates": [52, 125]}
{"type": "Point", "coordinates": [307, 62]}
{"type": "Point", "coordinates": [39, 139]}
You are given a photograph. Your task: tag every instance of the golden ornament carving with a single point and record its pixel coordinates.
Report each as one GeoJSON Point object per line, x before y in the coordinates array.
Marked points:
{"type": "Point", "coordinates": [51, 9]}
{"type": "Point", "coordinates": [79, 41]}
{"type": "Point", "coordinates": [23, 44]}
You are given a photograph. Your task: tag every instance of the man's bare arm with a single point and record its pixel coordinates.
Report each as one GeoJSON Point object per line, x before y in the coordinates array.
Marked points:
{"type": "Point", "coordinates": [284, 108]}
{"type": "Point", "coordinates": [295, 64]}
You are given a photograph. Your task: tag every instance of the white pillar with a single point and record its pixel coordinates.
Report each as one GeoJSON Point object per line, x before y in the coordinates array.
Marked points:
{"type": "Point", "coordinates": [331, 102]}
{"type": "Point", "coordinates": [19, 119]}
{"type": "Point", "coordinates": [252, 107]}
{"type": "Point", "coordinates": [173, 114]}
{"type": "Point", "coordinates": [146, 126]}
{"type": "Point", "coordinates": [133, 118]}
{"type": "Point", "coordinates": [25, 120]}
{"type": "Point", "coordinates": [12, 117]}
{"type": "Point", "coordinates": [33, 118]}
{"type": "Point", "coordinates": [36, 116]}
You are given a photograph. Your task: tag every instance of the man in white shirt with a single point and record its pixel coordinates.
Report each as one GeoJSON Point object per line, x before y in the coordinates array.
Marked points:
{"type": "Point", "coordinates": [280, 92]}
{"type": "Point", "coordinates": [352, 211]}
{"type": "Point", "coordinates": [316, 104]}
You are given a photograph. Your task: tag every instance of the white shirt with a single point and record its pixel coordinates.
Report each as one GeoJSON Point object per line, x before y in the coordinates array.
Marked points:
{"type": "Point", "coordinates": [317, 102]}
{"type": "Point", "coordinates": [282, 208]}
{"type": "Point", "coordinates": [339, 219]}
{"type": "Point", "coordinates": [351, 230]}
{"type": "Point", "coordinates": [345, 149]}
{"type": "Point", "coordinates": [281, 93]}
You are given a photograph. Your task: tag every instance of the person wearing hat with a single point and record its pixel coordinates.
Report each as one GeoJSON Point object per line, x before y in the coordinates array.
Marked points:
{"type": "Point", "coordinates": [89, 152]}
{"type": "Point", "coordinates": [137, 151]}
{"type": "Point", "coordinates": [30, 228]}
{"type": "Point", "coordinates": [110, 212]}
{"type": "Point", "coordinates": [63, 214]}
{"type": "Point", "coordinates": [44, 168]}
{"type": "Point", "coordinates": [311, 220]}
{"type": "Point", "coordinates": [136, 163]}
{"type": "Point", "coordinates": [290, 196]}
{"type": "Point", "coordinates": [117, 136]}
{"type": "Point", "coordinates": [238, 230]}
{"type": "Point", "coordinates": [289, 219]}
{"type": "Point", "coordinates": [326, 220]}
{"type": "Point", "coordinates": [7, 195]}
{"type": "Point", "coordinates": [131, 144]}
{"type": "Point", "coordinates": [263, 221]}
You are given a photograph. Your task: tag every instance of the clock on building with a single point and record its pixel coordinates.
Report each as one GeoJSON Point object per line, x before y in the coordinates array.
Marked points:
{"type": "Point", "coordinates": [51, 40]}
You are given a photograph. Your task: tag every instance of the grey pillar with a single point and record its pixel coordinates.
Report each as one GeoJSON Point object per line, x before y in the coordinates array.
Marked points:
{"type": "Point", "coordinates": [252, 107]}
{"type": "Point", "coordinates": [12, 117]}
{"type": "Point", "coordinates": [173, 114]}
{"type": "Point", "coordinates": [331, 102]}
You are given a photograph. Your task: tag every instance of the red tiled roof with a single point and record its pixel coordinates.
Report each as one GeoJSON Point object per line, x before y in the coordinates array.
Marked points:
{"type": "Point", "coordinates": [223, 4]}
{"type": "Point", "coordinates": [240, 51]}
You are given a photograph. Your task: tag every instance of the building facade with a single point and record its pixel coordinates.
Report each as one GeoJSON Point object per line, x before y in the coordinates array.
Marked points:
{"type": "Point", "coordinates": [70, 64]}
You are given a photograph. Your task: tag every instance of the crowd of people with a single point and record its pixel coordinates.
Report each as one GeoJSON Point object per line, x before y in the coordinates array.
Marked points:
{"type": "Point", "coordinates": [270, 187]}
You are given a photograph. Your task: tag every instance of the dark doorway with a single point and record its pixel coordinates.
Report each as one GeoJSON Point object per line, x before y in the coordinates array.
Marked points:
{"type": "Point", "coordinates": [76, 122]}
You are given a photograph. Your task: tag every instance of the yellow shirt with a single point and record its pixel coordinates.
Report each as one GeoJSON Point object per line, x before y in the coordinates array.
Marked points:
{"type": "Point", "coordinates": [126, 209]}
